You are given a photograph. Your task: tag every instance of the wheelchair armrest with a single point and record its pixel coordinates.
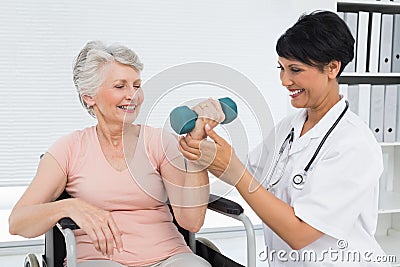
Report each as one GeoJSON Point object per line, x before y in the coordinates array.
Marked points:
{"type": "Point", "coordinates": [224, 205]}
{"type": "Point", "coordinates": [68, 223]}
{"type": "Point", "coordinates": [216, 203]}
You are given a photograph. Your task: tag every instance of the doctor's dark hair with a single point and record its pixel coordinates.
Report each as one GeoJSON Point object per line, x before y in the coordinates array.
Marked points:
{"type": "Point", "coordinates": [316, 39]}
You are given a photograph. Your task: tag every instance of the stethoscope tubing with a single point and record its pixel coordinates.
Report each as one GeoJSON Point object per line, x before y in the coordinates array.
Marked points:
{"type": "Point", "coordinates": [325, 137]}
{"type": "Point", "coordinates": [299, 179]}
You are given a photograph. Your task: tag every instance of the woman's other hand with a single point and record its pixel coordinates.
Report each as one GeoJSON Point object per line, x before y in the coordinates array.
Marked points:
{"type": "Point", "coordinates": [208, 112]}
{"type": "Point", "coordinates": [218, 156]}
{"type": "Point", "coordinates": [98, 224]}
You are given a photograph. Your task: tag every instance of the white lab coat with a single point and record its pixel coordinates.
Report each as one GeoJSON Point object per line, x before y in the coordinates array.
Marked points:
{"type": "Point", "coordinates": [340, 197]}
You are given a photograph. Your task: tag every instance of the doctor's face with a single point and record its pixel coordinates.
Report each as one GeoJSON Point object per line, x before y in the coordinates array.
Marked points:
{"type": "Point", "coordinates": [308, 86]}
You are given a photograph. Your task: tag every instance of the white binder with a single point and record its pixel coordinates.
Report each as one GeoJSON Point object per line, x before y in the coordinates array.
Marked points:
{"type": "Point", "coordinates": [351, 20]}
{"type": "Point", "coordinates": [396, 44]}
{"type": "Point", "coordinates": [398, 115]}
{"type": "Point", "coordinates": [353, 97]}
{"type": "Point", "coordinates": [343, 87]}
{"type": "Point", "coordinates": [375, 42]}
{"type": "Point", "coordinates": [385, 58]}
{"type": "Point", "coordinates": [362, 41]}
{"type": "Point", "coordinates": [390, 112]}
{"type": "Point", "coordinates": [377, 111]}
{"type": "Point", "coordinates": [364, 99]}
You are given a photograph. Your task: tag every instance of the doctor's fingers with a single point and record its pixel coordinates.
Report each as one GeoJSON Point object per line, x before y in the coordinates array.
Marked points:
{"type": "Point", "coordinates": [215, 137]}
{"type": "Point", "coordinates": [187, 151]}
{"type": "Point", "coordinates": [204, 146]}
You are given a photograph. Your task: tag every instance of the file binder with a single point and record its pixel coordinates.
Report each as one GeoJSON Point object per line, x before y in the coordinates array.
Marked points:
{"type": "Point", "coordinates": [364, 98]}
{"type": "Point", "coordinates": [343, 90]}
{"type": "Point", "coordinates": [390, 113]}
{"type": "Point", "coordinates": [353, 97]}
{"type": "Point", "coordinates": [396, 44]}
{"type": "Point", "coordinates": [377, 111]}
{"type": "Point", "coordinates": [398, 115]}
{"type": "Point", "coordinates": [351, 20]}
{"type": "Point", "coordinates": [362, 41]}
{"type": "Point", "coordinates": [385, 58]}
{"type": "Point", "coordinates": [375, 42]}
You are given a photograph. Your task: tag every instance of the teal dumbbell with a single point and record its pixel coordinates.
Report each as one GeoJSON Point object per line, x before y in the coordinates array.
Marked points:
{"type": "Point", "coordinates": [183, 119]}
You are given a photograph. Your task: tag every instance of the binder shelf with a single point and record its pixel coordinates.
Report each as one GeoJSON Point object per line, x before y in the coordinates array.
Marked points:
{"type": "Point", "coordinates": [371, 85]}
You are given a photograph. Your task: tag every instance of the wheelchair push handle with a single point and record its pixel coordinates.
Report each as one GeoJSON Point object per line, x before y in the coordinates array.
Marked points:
{"type": "Point", "coordinates": [183, 119]}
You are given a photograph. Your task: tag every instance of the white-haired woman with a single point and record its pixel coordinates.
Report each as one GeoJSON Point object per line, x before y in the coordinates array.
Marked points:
{"type": "Point", "coordinates": [119, 175]}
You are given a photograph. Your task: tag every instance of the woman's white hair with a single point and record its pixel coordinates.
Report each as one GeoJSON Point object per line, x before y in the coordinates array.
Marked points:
{"type": "Point", "coordinates": [88, 66]}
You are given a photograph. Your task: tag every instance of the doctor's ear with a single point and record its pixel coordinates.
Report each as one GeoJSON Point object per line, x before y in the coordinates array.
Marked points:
{"type": "Point", "coordinates": [334, 68]}
{"type": "Point", "coordinates": [89, 100]}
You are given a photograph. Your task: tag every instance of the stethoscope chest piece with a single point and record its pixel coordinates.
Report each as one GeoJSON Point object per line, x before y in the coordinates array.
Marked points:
{"type": "Point", "coordinates": [298, 181]}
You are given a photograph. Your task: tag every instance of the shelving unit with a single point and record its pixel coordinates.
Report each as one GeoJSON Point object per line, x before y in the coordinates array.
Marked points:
{"type": "Point", "coordinates": [388, 228]}
{"type": "Point", "coordinates": [388, 232]}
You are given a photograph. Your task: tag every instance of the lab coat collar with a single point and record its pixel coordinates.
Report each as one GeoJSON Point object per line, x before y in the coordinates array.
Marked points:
{"type": "Point", "coordinates": [319, 130]}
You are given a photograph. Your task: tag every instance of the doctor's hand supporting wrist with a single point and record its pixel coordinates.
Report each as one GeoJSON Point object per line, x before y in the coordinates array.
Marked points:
{"type": "Point", "coordinates": [218, 157]}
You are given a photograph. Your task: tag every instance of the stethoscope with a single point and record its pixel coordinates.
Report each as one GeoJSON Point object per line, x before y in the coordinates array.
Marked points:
{"type": "Point", "coordinates": [299, 180]}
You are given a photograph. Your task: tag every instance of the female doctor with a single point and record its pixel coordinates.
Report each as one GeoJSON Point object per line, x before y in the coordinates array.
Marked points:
{"type": "Point", "coordinates": [318, 200]}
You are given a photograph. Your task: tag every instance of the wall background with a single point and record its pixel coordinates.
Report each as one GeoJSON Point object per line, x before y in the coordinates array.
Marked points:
{"type": "Point", "coordinates": [39, 40]}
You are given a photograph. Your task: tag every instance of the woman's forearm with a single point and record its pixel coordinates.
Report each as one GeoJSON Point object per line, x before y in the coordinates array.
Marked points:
{"type": "Point", "coordinates": [197, 189]}
{"type": "Point", "coordinates": [34, 220]}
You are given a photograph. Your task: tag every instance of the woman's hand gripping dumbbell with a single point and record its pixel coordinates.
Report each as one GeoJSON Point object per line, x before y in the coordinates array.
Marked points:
{"type": "Point", "coordinates": [183, 119]}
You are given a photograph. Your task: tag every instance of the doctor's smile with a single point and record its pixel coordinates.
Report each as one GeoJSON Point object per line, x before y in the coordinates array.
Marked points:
{"type": "Point", "coordinates": [294, 93]}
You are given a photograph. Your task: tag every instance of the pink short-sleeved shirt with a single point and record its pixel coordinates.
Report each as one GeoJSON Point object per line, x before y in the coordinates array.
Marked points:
{"type": "Point", "coordinates": [135, 197]}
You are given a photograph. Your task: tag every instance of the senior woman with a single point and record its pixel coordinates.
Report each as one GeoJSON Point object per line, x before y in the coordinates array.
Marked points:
{"type": "Point", "coordinates": [119, 175]}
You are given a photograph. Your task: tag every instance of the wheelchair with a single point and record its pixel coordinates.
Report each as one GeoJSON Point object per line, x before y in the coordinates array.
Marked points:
{"type": "Point", "coordinates": [60, 240]}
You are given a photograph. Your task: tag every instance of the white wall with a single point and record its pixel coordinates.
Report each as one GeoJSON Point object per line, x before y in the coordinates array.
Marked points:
{"type": "Point", "coordinates": [39, 40]}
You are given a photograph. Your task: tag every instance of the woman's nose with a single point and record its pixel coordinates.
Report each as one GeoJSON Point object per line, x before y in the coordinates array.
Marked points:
{"type": "Point", "coordinates": [131, 93]}
{"type": "Point", "coordinates": [285, 79]}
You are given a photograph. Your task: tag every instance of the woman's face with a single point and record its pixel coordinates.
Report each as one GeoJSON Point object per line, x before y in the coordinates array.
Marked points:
{"type": "Point", "coordinates": [120, 96]}
{"type": "Point", "coordinates": [308, 86]}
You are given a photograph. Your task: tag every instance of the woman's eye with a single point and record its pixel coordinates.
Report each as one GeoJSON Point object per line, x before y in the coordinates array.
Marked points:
{"type": "Point", "coordinates": [137, 86]}
{"type": "Point", "coordinates": [119, 86]}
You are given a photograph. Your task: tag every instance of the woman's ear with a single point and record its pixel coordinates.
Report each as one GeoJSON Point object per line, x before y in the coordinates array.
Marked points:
{"type": "Point", "coordinates": [89, 100]}
{"type": "Point", "coordinates": [334, 68]}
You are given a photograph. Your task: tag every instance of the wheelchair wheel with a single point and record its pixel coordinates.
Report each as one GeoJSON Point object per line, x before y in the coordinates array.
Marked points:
{"type": "Point", "coordinates": [31, 261]}
{"type": "Point", "coordinates": [208, 243]}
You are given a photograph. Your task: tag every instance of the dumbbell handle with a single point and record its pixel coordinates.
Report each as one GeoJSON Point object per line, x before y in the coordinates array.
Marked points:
{"type": "Point", "coordinates": [183, 119]}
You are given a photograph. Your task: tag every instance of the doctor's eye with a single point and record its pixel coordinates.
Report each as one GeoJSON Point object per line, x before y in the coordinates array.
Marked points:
{"type": "Point", "coordinates": [295, 70]}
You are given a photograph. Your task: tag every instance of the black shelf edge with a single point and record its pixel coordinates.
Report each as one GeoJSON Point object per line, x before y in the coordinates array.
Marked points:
{"type": "Point", "coordinates": [377, 6]}
{"type": "Point", "coordinates": [370, 78]}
